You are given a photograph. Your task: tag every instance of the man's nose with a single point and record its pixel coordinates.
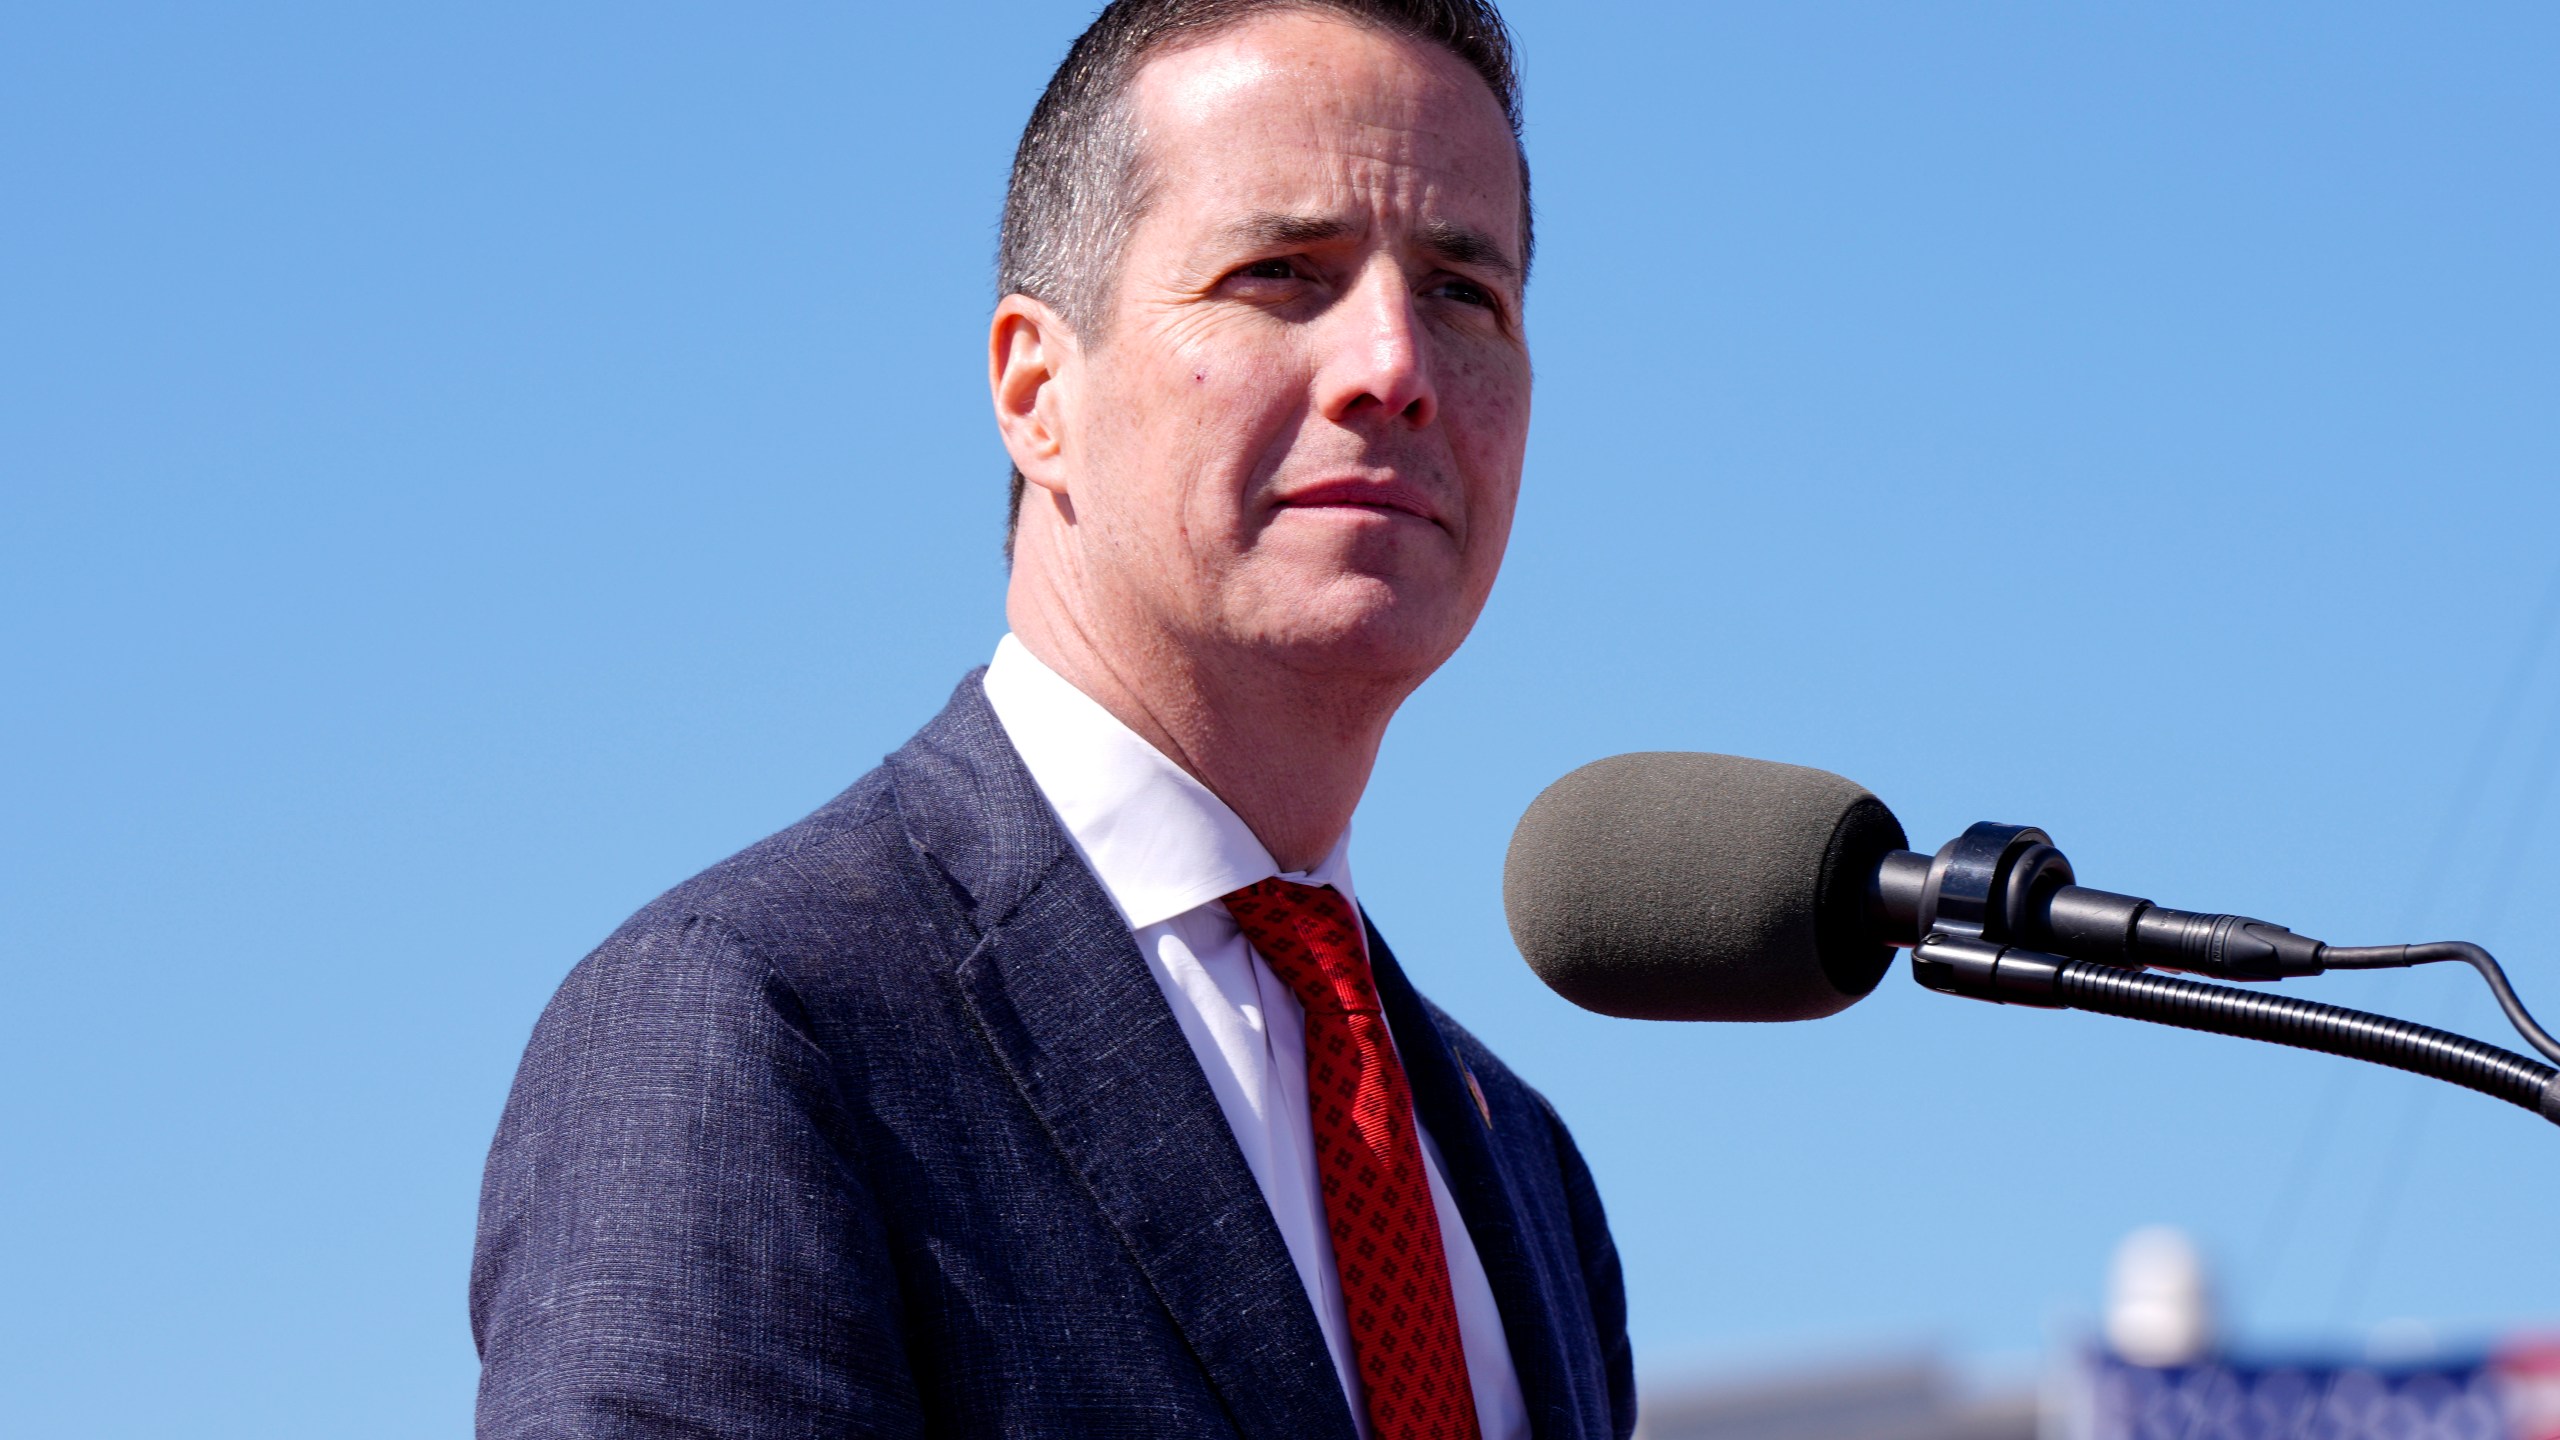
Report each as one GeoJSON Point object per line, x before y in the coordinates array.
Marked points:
{"type": "Point", "coordinates": [1376, 362]}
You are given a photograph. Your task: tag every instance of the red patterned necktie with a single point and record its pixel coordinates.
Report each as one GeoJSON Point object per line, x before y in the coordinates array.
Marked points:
{"type": "Point", "coordinates": [1377, 1202]}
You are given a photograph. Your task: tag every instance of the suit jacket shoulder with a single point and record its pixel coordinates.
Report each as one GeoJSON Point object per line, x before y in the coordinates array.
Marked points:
{"type": "Point", "coordinates": [881, 1126]}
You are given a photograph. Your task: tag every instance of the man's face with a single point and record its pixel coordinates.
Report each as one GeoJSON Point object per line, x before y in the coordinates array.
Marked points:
{"type": "Point", "coordinates": [1299, 431]}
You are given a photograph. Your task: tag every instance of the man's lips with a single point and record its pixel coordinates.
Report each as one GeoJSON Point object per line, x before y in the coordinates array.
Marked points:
{"type": "Point", "coordinates": [1390, 496]}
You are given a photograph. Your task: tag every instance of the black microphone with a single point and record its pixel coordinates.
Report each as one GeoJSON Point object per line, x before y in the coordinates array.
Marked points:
{"type": "Point", "coordinates": [1674, 864]}
{"type": "Point", "coordinates": [1679, 886]}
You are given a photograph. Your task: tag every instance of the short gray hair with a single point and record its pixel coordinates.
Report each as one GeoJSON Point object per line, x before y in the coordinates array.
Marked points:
{"type": "Point", "coordinates": [1077, 189]}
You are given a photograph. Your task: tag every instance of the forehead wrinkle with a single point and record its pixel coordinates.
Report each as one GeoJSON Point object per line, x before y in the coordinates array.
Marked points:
{"type": "Point", "coordinates": [1422, 192]}
{"type": "Point", "coordinates": [1413, 164]}
{"type": "Point", "coordinates": [1343, 187]}
{"type": "Point", "coordinates": [1355, 177]}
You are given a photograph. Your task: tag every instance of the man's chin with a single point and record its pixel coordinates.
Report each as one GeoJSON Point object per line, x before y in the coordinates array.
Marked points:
{"type": "Point", "coordinates": [1363, 626]}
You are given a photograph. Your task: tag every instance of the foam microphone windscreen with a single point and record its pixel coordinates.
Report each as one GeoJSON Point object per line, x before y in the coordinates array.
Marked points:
{"type": "Point", "coordinates": [1679, 886]}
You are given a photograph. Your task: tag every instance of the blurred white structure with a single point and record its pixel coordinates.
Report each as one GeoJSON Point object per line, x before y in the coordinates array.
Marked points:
{"type": "Point", "coordinates": [2159, 1299]}
{"type": "Point", "coordinates": [1911, 1397]}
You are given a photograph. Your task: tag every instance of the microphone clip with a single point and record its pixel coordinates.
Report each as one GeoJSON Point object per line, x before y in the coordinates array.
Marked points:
{"type": "Point", "coordinates": [1980, 969]}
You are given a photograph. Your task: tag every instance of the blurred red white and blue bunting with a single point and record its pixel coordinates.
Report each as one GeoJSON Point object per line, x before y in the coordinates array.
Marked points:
{"type": "Point", "coordinates": [2511, 1393]}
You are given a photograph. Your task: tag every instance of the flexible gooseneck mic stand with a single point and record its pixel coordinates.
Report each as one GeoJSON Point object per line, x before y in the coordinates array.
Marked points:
{"type": "Point", "coordinates": [1994, 916]}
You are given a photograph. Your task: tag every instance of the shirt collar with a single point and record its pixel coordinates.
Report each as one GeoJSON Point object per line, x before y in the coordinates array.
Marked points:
{"type": "Point", "coordinates": [1159, 841]}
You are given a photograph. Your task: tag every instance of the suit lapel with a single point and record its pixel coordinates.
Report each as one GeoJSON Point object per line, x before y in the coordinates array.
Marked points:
{"type": "Point", "coordinates": [1488, 1199]}
{"type": "Point", "coordinates": [1066, 1002]}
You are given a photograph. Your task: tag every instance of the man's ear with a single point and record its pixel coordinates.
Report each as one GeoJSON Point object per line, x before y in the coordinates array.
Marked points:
{"type": "Point", "coordinates": [1031, 357]}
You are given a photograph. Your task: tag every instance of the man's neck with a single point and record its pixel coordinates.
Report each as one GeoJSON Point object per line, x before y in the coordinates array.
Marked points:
{"type": "Point", "coordinates": [1289, 753]}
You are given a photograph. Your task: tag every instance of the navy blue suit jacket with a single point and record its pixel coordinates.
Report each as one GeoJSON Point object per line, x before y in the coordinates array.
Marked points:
{"type": "Point", "coordinates": [882, 1127]}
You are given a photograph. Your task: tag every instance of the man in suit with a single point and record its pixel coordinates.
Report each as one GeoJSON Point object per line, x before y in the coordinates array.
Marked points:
{"type": "Point", "coordinates": [1049, 1081]}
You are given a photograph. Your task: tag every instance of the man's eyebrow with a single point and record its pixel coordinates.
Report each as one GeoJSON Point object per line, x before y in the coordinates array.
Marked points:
{"type": "Point", "coordinates": [1270, 227]}
{"type": "Point", "coordinates": [1460, 245]}
{"type": "Point", "coordinates": [1438, 238]}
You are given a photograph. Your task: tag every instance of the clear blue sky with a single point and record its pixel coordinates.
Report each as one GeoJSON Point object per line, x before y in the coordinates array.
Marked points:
{"type": "Point", "coordinates": [465, 467]}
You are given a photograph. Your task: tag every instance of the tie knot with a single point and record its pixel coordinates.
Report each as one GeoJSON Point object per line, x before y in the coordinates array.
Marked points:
{"type": "Point", "coordinates": [1310, 938]}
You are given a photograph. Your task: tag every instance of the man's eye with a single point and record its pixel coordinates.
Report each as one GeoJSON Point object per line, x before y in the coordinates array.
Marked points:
{"type": "Point", "coordinates": [1466, 292]}
{"type": "Point", "coordinates": [1269, 270]}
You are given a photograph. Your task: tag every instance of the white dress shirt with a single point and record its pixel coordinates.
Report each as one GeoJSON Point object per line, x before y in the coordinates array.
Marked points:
{"type": "Point", "coordinates": [1165, 850]}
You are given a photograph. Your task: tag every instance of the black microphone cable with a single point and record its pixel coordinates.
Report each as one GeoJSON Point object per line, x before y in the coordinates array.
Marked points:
{"type": "Point", "coordinates": [2394, 957]}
